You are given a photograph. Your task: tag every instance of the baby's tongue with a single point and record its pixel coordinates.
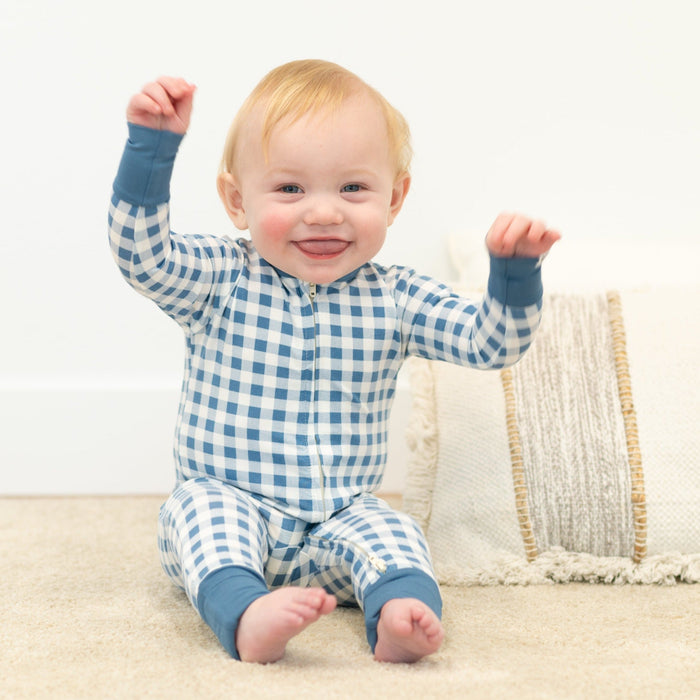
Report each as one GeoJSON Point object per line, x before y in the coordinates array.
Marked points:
{"type": "Point", "coordinates": [326, 247]}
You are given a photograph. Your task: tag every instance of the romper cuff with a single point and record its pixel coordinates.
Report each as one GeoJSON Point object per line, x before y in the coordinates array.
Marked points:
{"type": "Point", "coordinates": [223, 597]}
{"type": "Point", "coordinates": [402, 583]}
{"type": "Point", "coordinates": [146, 166]}
{"type": "Point", "coordinates": [516, 281]}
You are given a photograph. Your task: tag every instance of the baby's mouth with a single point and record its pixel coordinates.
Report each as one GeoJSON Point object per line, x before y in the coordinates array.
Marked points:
{"type": "Point", "coordinates": [324, 248]}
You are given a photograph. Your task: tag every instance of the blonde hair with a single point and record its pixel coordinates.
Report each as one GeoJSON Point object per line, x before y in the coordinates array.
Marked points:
{"type": "Point", "coordinates": [298, 87]}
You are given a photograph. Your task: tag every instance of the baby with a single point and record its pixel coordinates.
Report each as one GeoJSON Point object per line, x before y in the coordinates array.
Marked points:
{"type": "Point", "coordinates": [294, 339]}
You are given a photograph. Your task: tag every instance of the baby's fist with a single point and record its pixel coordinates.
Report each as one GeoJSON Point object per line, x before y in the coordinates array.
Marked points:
{"type": "Point", "coordinates": [164, 104]}
{"type": "Point", "coordinates": [516, 236]}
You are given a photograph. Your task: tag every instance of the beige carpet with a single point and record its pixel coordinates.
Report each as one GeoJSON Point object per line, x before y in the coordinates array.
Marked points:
{"type": "Point", "coordinates": [85, 612]}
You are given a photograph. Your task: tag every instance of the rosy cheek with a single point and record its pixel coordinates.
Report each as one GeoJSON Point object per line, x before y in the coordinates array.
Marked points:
{"type": "Point", "coordinates": [275, 225]}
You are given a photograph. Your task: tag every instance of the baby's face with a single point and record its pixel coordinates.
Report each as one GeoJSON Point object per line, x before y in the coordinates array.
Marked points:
{"type": "Point", "coordinates": [319, 206]}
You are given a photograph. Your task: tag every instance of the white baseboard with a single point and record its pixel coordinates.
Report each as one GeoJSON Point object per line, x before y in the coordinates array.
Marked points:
{"type": "Point", "coordinates": [112, 440]}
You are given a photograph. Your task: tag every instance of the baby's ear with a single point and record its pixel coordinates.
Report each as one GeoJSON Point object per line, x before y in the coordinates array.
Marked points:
{"type": "Point", "coordinates": [231, 196]}
{"type": "Point", "coordinates": [398, 195]}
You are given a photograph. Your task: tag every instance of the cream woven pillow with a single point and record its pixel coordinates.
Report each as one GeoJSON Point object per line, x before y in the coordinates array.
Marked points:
{"type": "Point", "coordinates": [579, 463]}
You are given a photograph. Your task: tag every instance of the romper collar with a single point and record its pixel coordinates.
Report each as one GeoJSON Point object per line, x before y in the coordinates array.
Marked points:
{"type": "Point", "coordinates": [292, 283]}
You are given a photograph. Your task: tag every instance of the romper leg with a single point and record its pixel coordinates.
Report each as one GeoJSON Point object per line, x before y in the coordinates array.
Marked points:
{"type": "Point", "coordinates": [207, 525]}
{"type": "Point", "coordinates": [213, 544]}
{"type": "Point", "coordinates": [384, 552]}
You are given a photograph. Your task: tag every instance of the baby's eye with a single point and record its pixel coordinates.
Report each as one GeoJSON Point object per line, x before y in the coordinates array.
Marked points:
{"type": "Point", "coordinates": [290, 189]}
{"type": "Point", "coordinates": [354, 187]}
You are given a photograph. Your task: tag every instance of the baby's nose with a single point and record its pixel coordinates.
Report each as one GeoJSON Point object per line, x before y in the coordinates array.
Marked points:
{"type": "Point", "coordinates": [323, 211]}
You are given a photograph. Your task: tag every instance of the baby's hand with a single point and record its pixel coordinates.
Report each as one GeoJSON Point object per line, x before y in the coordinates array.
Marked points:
{"type": "Point", "coordinates": [164, 104]}
{"type": "Point", "coordinates": [515, 236]}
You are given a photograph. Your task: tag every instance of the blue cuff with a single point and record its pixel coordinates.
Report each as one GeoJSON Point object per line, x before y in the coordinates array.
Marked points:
{"type": "Point", "coordinates": [147, 163]}
{"type": "Point", "coordinates": [223, 597]}
{"type": "Point", "coordinates": [403, 583]}
{"type": "Point", "coordinates": [515, 281]}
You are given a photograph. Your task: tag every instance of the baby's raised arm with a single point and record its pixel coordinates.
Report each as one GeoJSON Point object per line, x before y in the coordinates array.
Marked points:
{"type": "Point", "coordinates": [182, 274]}
{"type": "Point", "coordinates": [164, 104]}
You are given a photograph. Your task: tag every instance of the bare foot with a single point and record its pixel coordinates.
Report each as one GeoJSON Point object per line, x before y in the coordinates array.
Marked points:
{"type": "Point", "coordinates": [407, 631]}
{"type": "Point", "coordinates": [272, 620]}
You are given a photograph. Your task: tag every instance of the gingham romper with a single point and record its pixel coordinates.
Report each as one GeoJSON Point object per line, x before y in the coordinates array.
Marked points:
{"type": "Point", "coordinates": [282, 427]}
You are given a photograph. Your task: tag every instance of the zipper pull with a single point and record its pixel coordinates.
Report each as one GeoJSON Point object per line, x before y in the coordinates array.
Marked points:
{"type": "Point", "coordinates": [377, 563]}
{"type": "Point", "coordinates": [312, 291]}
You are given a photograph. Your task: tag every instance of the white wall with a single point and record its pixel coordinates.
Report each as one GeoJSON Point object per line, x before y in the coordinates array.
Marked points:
{"type": "Point", "coordinates": [587, 114]}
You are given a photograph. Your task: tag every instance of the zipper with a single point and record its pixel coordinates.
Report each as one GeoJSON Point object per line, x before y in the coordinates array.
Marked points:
{"type": "Point", "coordinates": [377, 562]}
{"type": "Point", "coordinates": [372, 558]}
{"type": "Point", "coordinates": [322, 476]}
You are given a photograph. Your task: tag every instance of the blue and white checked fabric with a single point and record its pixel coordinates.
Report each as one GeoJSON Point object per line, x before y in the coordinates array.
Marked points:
{"type": "Point", "coordinates": [207, 525]}
{"type": "Point", "coordinates": [288, 388]}
{"type": "Point", "coordinates": [282, 427]}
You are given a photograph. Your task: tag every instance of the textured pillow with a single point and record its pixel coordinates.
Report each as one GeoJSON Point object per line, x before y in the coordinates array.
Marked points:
{"type": "Point", "coordinates": [578, 464]}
